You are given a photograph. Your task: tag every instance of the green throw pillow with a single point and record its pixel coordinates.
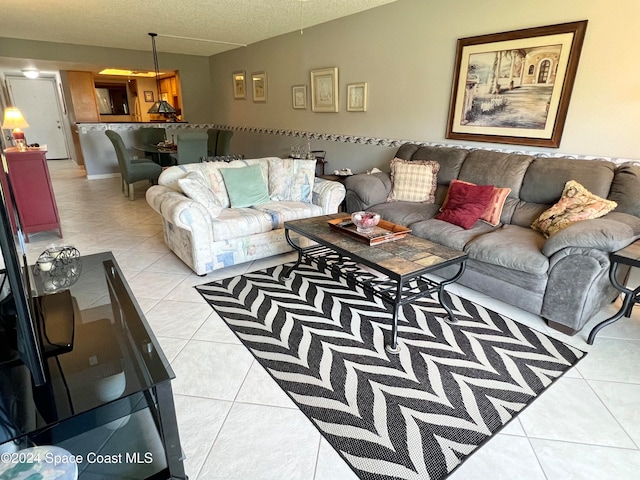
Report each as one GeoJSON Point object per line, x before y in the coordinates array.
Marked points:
{"type": "Point", "coordinates": [246, 186]}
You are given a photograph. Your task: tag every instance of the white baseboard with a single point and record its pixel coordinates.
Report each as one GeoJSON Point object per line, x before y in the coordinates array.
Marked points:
{"type": "Point", "coordinates": [102, 175]}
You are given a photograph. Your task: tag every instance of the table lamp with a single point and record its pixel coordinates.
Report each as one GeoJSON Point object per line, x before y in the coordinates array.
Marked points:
{"type": "Point", "coordinates": [14, 121]}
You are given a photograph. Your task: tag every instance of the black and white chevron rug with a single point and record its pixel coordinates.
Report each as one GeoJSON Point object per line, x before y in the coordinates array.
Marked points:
{"type": "Point", "coordinates": [414, 415]}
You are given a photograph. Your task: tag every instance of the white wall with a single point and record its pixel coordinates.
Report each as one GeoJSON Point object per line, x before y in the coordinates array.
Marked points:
{"type": "Point", "coordinates": [406, 52]}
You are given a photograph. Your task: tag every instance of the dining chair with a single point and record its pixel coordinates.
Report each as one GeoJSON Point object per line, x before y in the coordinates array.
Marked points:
{"type": "Point", "coordinates": [212, 141]}
{"type": "Point", "coordinates": [132, 169]}
{"type": "Point", "coordinates": [218, 142]}
{"type": "Point", "coordinates": [223, 146]}
{"type": "Point", "coordinates": [192, 146]}
{"type": "Point", "coordinates": [150, 137]}
{"type": "Point", "coordinates": [320, 156]}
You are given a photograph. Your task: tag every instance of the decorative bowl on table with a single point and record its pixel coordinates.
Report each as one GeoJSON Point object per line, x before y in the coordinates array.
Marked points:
{"type": "Point", "coordinates": [365, 221]}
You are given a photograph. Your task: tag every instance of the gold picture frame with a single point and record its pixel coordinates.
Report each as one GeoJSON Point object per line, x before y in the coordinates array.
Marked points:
{"type": "Point", "coordinates": [357, 97]}
{"type": "Point", "coordinates": [259, 86]}
{"type": "Point", "coordinates": [324, 89]}
{"type": "Point", "coordinates": [515, 87]}
{"type": "Point", "coordinates": [239, 85]}
{"type": "Point", "coordinates": [299, 97]}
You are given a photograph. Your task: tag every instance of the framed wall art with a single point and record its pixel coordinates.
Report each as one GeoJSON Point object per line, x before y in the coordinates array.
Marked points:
{"type": "Point", "coordinates": [148, 96]}
{"type": "Point", "coordinates": [357, 97]}
{"type": "Point", "coordinates": [259, 83]}
{"type": "Point", "coordinates": [324, 90]}
{"type": "Point", "coordinates": [515, 87]}
{"type": "Point", "coordinates": [239, 85]}
{"type": "Point", "coordinates": [299, 96]}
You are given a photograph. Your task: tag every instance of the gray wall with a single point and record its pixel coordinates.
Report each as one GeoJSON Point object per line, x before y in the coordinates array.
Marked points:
{"type": "Point", "coordinates": [406, 52]}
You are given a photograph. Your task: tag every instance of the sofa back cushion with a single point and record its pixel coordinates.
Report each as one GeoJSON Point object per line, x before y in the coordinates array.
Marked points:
{"type": "Point", "coordinates": [503, 170]}
{"type": "Point", "coordinates": [450, 159]}
{"type": "Point", "coordinates": [546, 178]}
{"type": "Point", "coordinates": [291, 179]}
{"type": "Point", "coordinates": [211, 173]}
{"type": "Point", "coordinates": [625, 189]}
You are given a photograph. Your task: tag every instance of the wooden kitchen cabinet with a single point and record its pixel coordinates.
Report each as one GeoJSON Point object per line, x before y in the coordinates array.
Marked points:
{"type": "Point", "coordinates": [32, 190]}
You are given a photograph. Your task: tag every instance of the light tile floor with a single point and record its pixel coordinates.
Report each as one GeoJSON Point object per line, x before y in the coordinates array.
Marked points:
{"type": "Point", "coordinates": [235, 422]}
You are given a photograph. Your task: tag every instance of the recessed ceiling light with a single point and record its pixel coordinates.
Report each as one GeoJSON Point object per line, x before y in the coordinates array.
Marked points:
{"type": "Point", "coordinates": [31, 73]}
{"type": "Point", "coordinates": [126, 73]}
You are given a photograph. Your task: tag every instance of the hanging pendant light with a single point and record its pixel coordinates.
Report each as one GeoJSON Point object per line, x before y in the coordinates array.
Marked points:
{"type": "Point", "coordinates": [161, 107]}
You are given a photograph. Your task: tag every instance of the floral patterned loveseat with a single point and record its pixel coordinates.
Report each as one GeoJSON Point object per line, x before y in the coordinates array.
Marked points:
{"type": "Point", "coordinates": [207, 233]}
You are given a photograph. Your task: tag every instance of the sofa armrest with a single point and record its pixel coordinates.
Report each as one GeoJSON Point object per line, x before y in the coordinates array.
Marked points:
{"type": "Point", "coordinates": [155, 195]}
{"type": "Point", "coordinates": [327, 194]}
{"type": "Point", "coordinates": [364, 190]}
{"type": "Point", "coordinates": [610, 233]}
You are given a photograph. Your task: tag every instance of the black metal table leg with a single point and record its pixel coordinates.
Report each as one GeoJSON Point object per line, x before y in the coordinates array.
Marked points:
{"type": "Point", "coordinates": [392, 346]}
{"type": "Point", "coordinates": [295, 247]}
{"type": "Point", "coordinates": [441, 293]}
{"type": "Point", "coordinates": [631, 297]}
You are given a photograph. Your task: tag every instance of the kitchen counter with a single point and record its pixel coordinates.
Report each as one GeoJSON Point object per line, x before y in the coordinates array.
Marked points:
{"type": "Point", "coordinates": [99, 155]}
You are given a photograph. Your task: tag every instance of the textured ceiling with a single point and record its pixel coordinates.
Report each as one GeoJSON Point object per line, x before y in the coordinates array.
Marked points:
{"type": "Point", "coordinates": [125, 23]}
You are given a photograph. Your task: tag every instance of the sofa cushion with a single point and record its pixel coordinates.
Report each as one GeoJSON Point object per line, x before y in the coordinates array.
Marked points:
{"type": "Point", "coordinates": [413, 181]}
{"type": "Point", "coordinates": [507, 170]}
{"type": "Point", "coordinates": [546, 178]}
{"type": "Point", "coordinates": [281, 212]}
{"type": "Point", "coordinates": [465, 204]}
{"type": "Point", "coordinates": [577, 203]}
{"type": "Point", "coordinates": [197, 189]}
{"type": "Point", "coordinates": [609, 233]}
{"type": "Point", "coordinates": [493, 212]}
{"type": "Point", "coordinates": [405, 213]}
{"type": "Point", "coordinates": [291, 179]}
{"type": "Point", "coordinates": [239, 222]}
{"type": "Point", "coordinates": [246, 186]}
{"type": "Point", "coordinates": [211, 172]}
{"type": "Point", "coordinates": [627, 179]}
{"type": "Point", "coordinates": [511, 246]}
{"type": "Point", "coordinates": [448, 234]}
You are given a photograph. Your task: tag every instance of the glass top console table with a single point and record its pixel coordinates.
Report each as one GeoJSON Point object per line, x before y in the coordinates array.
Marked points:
{"type": "Point", "coordinates": [108, 398]}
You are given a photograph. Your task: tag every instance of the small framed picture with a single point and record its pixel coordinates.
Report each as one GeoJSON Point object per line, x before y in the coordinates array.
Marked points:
{"type": "Point", "coordinates": [299, 96]}
{"type": "Point", "coordinates": [148, 96]}
{"type": "Point", "coordinates": [357, 97]}
{"type": "Point", "coordinates": [324, 90]}
{"type": "Point", "coordinates": [259, 82]}
{"type": "Point", "coordinates": [239, 87]}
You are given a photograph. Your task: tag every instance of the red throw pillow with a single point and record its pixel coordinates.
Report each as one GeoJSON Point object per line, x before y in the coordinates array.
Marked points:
{"type": "Point", "coordinates": [465, 204]}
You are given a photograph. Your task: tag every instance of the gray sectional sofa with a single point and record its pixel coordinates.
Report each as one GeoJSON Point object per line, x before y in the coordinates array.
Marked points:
{"type": "Point", "coordinates": [563, 278]}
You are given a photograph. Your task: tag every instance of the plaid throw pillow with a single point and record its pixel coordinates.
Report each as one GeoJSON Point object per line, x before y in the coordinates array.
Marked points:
{"type": "Point", "coordinates": [413, 181]}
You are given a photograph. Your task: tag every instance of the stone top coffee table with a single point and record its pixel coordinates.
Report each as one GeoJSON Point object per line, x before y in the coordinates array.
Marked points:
{"type": "Point", "coordinates": [395, 271]}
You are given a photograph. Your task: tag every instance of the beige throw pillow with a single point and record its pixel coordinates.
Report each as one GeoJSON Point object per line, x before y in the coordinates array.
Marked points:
{"type": "Point", "coordinates": [577, 203]}
{"type": "Point", "coordinates": [413, 181]}
{"type": "Point", "coordinates": [196, 188]}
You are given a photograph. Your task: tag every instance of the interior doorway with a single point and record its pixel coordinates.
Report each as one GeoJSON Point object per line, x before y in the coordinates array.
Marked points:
{"type": "Point", "coordinates": [38, 101]}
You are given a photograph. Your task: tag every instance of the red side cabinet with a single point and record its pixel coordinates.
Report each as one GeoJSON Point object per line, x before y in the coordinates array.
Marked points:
{"type": "Point", "coordinates": [34, 198]}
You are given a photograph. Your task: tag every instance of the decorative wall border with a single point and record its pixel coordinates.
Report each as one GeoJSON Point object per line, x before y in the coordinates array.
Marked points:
{"type": "Point", "coordinates": [396, 143]}
{"type": "Point", "coordinates": [340, 138]}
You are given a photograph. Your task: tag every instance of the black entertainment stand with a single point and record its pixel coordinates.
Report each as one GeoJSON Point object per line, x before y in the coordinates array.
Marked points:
{"type": "Point", "coordinates": [108, 401]}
